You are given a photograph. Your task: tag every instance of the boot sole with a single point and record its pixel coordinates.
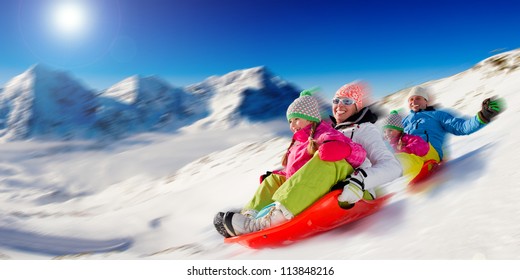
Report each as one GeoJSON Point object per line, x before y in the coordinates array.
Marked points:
{"type": "Point", "coordinates": [218, 222]}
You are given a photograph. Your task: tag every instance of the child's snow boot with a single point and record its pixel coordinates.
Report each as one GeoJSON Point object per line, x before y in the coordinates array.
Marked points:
{"type": "Point", "coordinates": [218, 222]}
{"type": "Point", "coordinates": [272, 215]}
{"type": "Point", "coordinates": [249, 213]}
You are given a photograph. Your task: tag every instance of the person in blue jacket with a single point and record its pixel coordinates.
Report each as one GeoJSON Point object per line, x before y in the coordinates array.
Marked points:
{"type": "Point", "coordinates": [433, 125]}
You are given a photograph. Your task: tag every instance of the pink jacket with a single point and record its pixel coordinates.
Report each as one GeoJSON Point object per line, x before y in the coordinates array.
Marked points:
{"type": "Point", "coordinates": [332, 146]}
{"type": "Point", "coordinates": [410, 144]}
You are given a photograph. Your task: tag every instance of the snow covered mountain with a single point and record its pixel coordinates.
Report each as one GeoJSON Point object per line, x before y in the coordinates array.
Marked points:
{"type": "Point", "coordinates": [252, 94]}
{"type": "Point", "coordinates": [45, 102]}
{"type": "Point", "coordinates": [139, 104]}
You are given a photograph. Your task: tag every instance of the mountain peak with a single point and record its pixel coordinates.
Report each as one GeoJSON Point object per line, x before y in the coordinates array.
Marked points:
{"type": "Point", "coordinates": [42, 101]}
{"type": "Point", "coordinates": [259, 71]}
{"type": "Point", "coordinates": [253, 77]}
{"type": "Point", "coordinates": [39, 69]}
{"type": "Point", "coordinates": [130, 90]}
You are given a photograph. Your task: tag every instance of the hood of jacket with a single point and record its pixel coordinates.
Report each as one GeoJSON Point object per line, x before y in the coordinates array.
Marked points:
{"type": "Point", "coordinates": [363, 116]}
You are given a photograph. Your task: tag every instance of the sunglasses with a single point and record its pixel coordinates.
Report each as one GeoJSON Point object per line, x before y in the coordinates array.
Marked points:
{"type": "Point", "coordinates": [344, 101]}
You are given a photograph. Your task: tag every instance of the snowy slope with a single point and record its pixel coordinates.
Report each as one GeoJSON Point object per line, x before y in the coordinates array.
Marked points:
{"type": "Point", "coordinates": [162, 191]}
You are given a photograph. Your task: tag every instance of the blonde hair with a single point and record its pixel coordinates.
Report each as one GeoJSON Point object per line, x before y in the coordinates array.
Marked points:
{"type": "Point", "coordinates": [311, 148]}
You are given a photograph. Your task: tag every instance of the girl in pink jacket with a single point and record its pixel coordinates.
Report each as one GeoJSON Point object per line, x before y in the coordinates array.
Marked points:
{"type": "Point", "coordinates": [317, 158]}
{"type": "Point", "coordinates": [400, 141]}
{"type": "Point", "coordinates": [311, 137]}
{"type": "Point", "coordinates": [411, 150]}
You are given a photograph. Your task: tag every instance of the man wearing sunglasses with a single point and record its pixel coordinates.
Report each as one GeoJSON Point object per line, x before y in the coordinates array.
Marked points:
{"type": "Point", "coordinates": [358, 123]}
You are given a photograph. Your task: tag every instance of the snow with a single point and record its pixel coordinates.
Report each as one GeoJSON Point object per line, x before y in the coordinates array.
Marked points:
{"type": "Point", "coordinates": [161, 190]}
{"type": "Point", "coordinates": [39, 101]}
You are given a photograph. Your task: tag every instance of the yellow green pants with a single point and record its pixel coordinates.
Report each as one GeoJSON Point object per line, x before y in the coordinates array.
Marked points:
{"type": "Point", "coordinates": [412, 164]}
{"type": "Point", "coordinates": [307, 185]}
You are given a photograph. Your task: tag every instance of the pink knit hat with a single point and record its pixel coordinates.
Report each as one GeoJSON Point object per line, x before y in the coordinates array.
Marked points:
{"type": "Point", "coordinates": [355, 91]}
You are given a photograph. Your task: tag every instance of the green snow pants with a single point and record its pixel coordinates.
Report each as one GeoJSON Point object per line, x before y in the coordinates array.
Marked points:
{"type": "Point", "coordinates": [307, 185]}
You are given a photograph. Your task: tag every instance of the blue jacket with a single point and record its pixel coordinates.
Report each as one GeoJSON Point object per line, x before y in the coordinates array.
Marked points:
{"type": "Point", "coordinates": [433, 125]}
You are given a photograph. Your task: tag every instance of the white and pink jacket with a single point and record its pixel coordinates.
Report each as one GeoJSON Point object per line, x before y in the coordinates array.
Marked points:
{"type": "Point", "coordinates": [332, 146]}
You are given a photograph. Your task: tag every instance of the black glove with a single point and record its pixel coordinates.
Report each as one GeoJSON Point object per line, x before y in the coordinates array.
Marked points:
{"type": "Point", "coordinates": [490, 109]}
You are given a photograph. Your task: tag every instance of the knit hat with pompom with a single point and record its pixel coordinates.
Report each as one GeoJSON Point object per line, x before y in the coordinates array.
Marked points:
{"type": "Point", "coordinates": [394, 121]}
{"type": "Point", "coordinates": [304, 107]}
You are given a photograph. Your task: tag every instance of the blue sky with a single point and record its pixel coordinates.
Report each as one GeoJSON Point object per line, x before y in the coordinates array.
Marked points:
{"type": "Point", "coordinates": [390, 44]}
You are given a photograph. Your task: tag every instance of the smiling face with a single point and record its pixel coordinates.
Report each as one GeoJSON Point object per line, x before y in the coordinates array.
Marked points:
{"type": "Point", "coordinates": [391, 134]}
{"type": "Point", "coordinates": [417, 103]}
{"type": "Point", "coordinates": [295, 124]}
{"type": "Point", "coordinates": [342, 112]}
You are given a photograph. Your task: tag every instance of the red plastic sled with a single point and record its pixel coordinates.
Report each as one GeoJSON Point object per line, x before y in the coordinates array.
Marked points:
{"type": "Point", "coordinates": [323, 215]}
{"type": "Point", "coordinates": [429, 168]}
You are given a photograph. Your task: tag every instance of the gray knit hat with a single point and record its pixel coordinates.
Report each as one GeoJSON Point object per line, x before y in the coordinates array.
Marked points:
{"type": "Point", "coordinates": [394, 121]}
{"type": "Point", "coordinates": [304, 107]}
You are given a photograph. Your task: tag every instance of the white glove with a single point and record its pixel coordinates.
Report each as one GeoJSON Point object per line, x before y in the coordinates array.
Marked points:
{"type": "Point", "coordinates": [354, 188]}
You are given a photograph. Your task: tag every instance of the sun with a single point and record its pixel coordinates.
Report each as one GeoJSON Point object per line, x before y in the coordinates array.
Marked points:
{"type": "Point", "coordinates": [69, 33]}
{"type": "Point", "coordinates": [69, 18]}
